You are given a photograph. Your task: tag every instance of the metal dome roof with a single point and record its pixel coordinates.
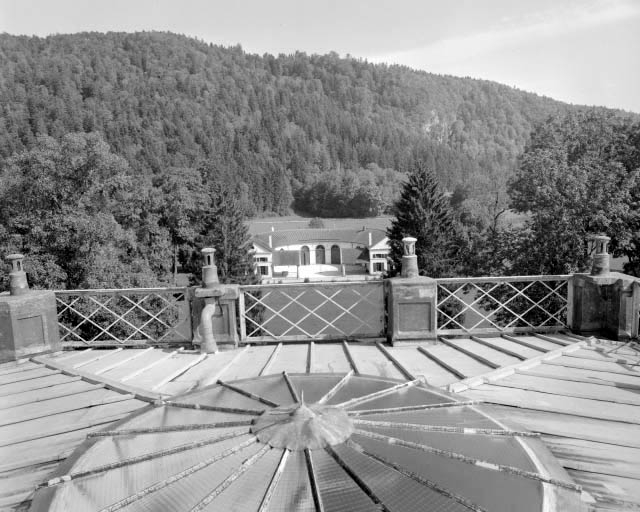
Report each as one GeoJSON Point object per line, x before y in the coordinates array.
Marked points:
{"type": "Point", "coordinates": [320, 442]}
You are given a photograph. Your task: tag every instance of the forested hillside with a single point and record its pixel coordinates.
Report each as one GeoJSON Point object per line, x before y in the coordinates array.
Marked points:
{"type": "Point", "coordinates": [271, 125]}
{"type": "Point", "coordinates": [122, 154]}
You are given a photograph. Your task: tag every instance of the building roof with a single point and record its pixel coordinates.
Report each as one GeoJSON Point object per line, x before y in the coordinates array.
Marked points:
{"type": "Point", "coordinates": [579, 396]}
{"type": "Point", "coordinates": [240, 446]}
{"type": "Point", "coordinates": [320, 236]}
{"type": "Point", "coordinates": [46, 410]}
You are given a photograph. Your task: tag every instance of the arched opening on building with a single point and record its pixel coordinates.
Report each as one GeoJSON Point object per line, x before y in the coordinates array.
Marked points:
{"type": "Point", "coordinates": [320, 255]}
{"type": "Point", "coordinates": [305, 259]}
{"type": "Point", "coordinates": [335, 255]}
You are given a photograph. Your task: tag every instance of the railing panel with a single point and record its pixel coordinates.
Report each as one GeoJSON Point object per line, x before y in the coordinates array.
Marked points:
{"type": "Point", "coordinates": [312, 311]}
{"type": "Point", "coordinates": [502, 304]}
{"type": "Point", "coordinates": [124, 317]}
{"type": "Point", "coordinates": [635, 305]}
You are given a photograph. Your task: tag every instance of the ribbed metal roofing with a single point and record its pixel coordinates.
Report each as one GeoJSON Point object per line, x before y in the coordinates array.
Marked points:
{"type": "Point", "coordinates": [317, 442]}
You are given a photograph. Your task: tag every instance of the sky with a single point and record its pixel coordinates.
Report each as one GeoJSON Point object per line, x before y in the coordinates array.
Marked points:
{"type": "Point", "coordinates": [579, 51]}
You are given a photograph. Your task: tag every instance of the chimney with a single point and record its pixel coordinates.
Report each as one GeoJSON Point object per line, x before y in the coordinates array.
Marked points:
{"type": "Point", "coordinates": [270, 241]}
{"type": "Point", "coordinates": [369, 238]}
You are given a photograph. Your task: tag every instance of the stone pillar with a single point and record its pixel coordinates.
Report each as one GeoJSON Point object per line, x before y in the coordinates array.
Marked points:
{"type": "Point", "coordinates": [214, 308]}
{"type": "Point", "coordinates": [28, 318]}
{"type": "Point", "coordinates": [604, 302]}
{"type": "Point", "coordinates": [412, 301]}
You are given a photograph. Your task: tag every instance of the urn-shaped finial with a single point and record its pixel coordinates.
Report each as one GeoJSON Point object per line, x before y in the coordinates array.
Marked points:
{"type": "Point", "coordinates": [409, 259]}
{"type": "Point", "coordinates": [601, 257]}
{"type": "Point", "coordinates": [209, 269]}
{"type": "Point", "coordinates": [18, 284]}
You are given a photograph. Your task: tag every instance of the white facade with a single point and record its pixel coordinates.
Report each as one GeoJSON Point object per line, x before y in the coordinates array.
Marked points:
{"type": "Point", "coordinates": [263, 259]}
{"type": "Point", "coordinates": [326, 256]}
{"type": "Point", "coordinates": [378, 257]}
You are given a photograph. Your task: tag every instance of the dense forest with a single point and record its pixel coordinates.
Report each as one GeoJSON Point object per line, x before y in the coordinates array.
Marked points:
{"type": "Point", "coordinates": [117, 149]}
{"type": "Point", "coordinates": [269, 124]}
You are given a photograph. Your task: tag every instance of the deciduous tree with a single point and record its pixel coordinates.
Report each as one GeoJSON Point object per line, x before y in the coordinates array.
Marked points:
{"type": "Point", "coordinates": [572, 182]}
{"type": "Point", "coordinates": [64, 204]}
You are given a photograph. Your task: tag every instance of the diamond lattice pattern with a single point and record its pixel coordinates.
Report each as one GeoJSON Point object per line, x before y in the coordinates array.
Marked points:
{"type": "Point", "coordinates": [529, 304]}
{"type": "Point", "coordinates": [314, 312]}
{"type": "Point", "coordinates": [123, 316]}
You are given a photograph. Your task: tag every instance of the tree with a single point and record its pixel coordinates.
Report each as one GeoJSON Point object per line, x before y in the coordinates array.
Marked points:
{"type": "Point", "coordinates": [349, 193]}
{"type": "Point", "coordinates": [65, 205]}
{"type": "Point", "coordinates": [573, 184]}
{"type": "Point", "coordinates": [316, 223]}
{"type": "Point", "coordinates": [631, 160]}
{"type": "Point", "coordinates": [184, 209]}
{"type": "Point", "coordinates": [423, 211]}
{"type": "Point", "coordinates": [224, 229]}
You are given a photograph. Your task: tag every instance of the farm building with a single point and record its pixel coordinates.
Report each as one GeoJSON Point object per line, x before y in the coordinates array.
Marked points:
{"type": "Point", "coordinates": [303, 253]}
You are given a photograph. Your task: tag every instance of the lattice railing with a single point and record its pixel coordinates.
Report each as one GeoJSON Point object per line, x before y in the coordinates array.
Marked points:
{"type": "Point", "coordinates": [317, 311]}
{"type": "Point", "coordinates": [502, 304]}
{"type": "Point", "coordinates": [635, 305]}
{"type": "Point", "coordinates": [124, 317]}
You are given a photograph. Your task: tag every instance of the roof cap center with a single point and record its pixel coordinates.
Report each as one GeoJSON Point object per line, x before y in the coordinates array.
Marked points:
{"type": "Point", "coordinates": [303, 426]}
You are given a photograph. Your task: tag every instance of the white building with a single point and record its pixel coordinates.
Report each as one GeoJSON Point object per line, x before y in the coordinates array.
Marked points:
{"type": "Point", "coordinates": [304, 252]}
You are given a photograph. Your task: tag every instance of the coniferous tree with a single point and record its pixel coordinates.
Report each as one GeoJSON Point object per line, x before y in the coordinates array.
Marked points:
{"type": "Point", "coordinates": [225, 230]}
{"type": "Point", "coordinates": [424, 212]}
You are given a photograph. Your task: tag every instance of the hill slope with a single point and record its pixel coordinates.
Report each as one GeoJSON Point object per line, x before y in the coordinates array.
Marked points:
{"type": "Point", "coordinates": [268, 124]}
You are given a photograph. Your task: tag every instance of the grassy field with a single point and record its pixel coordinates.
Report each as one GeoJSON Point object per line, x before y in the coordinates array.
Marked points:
{"type": "Point", "coordinates": [263, 225]}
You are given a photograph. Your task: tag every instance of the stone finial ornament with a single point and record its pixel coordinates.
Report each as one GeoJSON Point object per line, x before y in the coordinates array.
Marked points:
{"type": "Point", "coordinates": [209, 269]}
{"type": "Point", "coordinates": [601, 258]}
{"type": "Point", "coordinates": [409, 260]}
{"type": "Point", "coordinates": [18, 284]}
{"type": "Point", "coordinates": [409, 244]}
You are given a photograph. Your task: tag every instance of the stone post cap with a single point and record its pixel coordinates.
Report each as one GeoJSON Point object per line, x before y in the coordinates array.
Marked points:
{"type": "Point", "coordinates": [601, 242]}
{"type": "Point", "coordinates": [208, 253]}
{"type": "Point", "coordinates": [409, 244]}
{"type": "Point", "coordinates": [209, 269]}
{"type": "Point", "coordinates": [18, 284]}
{"type": "Point", "coordinates": [601, 259]}
{"type": "Point", "coordinates": [15, 260]}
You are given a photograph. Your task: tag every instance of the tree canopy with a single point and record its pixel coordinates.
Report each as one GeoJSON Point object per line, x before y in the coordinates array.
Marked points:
{"type": "Point", "coordinates": [118, 152]}
{"type": "Point", "coordinates": [84, 220]}
{"type": "Point", "coordinates": [574, 181]}
{"type": "Point", "coordinates": [347, 193]}
{"type": "Point", "coordinates": [71, 206]}
{"type": "Point", "coordinates": [271, 124]}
